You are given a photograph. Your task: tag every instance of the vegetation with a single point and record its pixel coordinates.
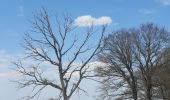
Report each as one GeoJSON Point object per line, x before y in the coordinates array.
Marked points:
{"type": "Point", "coordinates": [45, 44]}
{"type": "Point", "coordinates": [137, 58]}
{"type": "Point", "coordinates": [135, 61]}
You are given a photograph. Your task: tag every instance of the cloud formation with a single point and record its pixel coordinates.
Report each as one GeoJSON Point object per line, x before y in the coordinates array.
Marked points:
{"type": "Point", "coordinates": [5, 59]}
{"type": "Point", "coordinates": [88, 20]}
{"type": "Point", "coordinates": [8, 74]}
{"type": "Point", "coordinates": [5, 65]}
{"type": "Point", "coordinates": [164, 2]}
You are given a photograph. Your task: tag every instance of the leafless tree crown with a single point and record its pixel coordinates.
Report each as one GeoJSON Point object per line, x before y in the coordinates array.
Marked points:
{"type": "Point", "coordinates": [64, 47]}
{"type": "Point", "coordinates": [132, 58]}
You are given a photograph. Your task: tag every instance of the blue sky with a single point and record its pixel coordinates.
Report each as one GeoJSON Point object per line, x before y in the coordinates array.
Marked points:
{"type": "Point", "coordinates": [16, 13]}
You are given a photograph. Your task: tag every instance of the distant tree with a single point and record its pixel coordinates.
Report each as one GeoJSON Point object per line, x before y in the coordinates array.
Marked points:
{"type": "Point", "coordinates": [58, 46]}
{"type": "Point", "coordinates": [150, 41]}
{"type": "Point", "coordinates": [162, 76]}
{"type": "Point", "coordinates": [132, 60]}
{"type": "Point", "coordinates": [119, 69]}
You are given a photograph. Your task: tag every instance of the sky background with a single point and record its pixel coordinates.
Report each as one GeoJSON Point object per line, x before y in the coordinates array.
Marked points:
{"type": "Point", "coordinates": [14, 16]}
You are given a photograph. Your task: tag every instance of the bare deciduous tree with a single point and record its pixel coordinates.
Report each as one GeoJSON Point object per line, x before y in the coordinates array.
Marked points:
{"type": "Point", "coordinates": [60, 48]}
{"type": "Point", "coordinates": [161, 76]}
{"type": "Point", "coordinates": [118, 56]}
{"type": "Point", "coordinates": [150, 41]}
{"type": "Point", "coordinates": [132, 58]}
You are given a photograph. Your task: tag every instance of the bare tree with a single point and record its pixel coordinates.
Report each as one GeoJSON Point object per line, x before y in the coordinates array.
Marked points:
{"type": "Point", "coordinates": [58, 45]}
{"type": "Point", "coordinates": [161, 76]}
{"type": "Point", "coordinates": [118, 73]}
{"type": "Point", "coordinates": [132, 58]}
{"type": "Point", "coordinates": [150, 41]}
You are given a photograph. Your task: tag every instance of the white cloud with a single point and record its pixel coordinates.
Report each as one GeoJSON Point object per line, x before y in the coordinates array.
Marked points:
{"type": "Point", "coordinates": [164, 2]}
{"type": "Point", "coordinates": [6, 64]}
{"type": "Point", "coordinates": [88, 20]}
{"type": "Point", "coordinates": [5, 59]}
{"type": "Point", "coordinates": [147, 11]}
{"type": "Point", "coordinates": [8, 74]}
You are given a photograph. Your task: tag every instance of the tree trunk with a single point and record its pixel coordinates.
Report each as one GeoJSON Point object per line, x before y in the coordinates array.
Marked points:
{"type": "Point", "coordinates": [133, 86]}
{"type": "Point", "coordinates": [66, 98]}
{"type": "Point", "coordinates": [134, 89]}
{"type": "Point", "coordinates": [149, 89]}
{"type": "Point", "coordinates": [135, 96]}
{"type": "Point", "coordinates": [148, 94]}
{"type": "Point", "coordinates": [163, 93]}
